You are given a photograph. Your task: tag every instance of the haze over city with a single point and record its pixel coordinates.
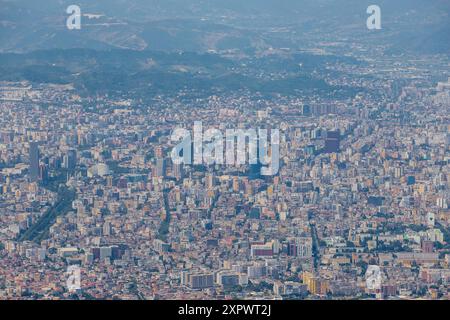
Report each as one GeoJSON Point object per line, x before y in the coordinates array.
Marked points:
{"type": "Point", "coordinates": [224, 150]}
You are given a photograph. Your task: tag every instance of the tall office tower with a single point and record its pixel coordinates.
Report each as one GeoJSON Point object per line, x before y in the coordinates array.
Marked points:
{"type": "Point", "coordinates": [160, 167]}
{"type": "Point", "coordinates": [332, 142]}
{"type": "Point", "coordinates": [43, 173]}
{"type": "Point", "coordinates": [178, 171]}
{"type": "Point", "coordinates": [70, 160]}
{"type": "Point", "coordinates": [34, 161]}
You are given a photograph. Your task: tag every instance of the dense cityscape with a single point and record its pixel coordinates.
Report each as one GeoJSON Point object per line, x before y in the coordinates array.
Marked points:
{"type": "Point", "coordinates": [87, 179]}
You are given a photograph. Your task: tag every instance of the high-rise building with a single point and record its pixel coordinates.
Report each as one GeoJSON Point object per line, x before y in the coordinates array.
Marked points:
{"type": "Point", "coordinates": [34, 161]}
{"type": "Point", "coordinates": [178, 171]}
{"type": "Point", "coordinates": [209, 181]}
{"type": "Point", "coordinates": [160, 167]}
{"type": "Point", "coordinates": [261, 250]}
{"type": "Point", "coordinates": [197, 280]}
{"type": "Point", "coordinates": [332, 142]}
{"type": "Point", "coordinates": [43, 173]}
{"type": "Point", "coordinates": [70, 160]}
{"type": "Point", "coordinates": [107, 229]}
{"type": "Point", "coordinates": [306, 110]}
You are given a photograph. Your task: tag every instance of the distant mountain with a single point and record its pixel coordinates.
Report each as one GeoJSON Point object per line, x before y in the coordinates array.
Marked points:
{"type": "Point", "coordinates": [427, 42]}
{"type": "Point", "coordinates": [146, 73]}
{"type": "Point", "coordinates": [202, 25]}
